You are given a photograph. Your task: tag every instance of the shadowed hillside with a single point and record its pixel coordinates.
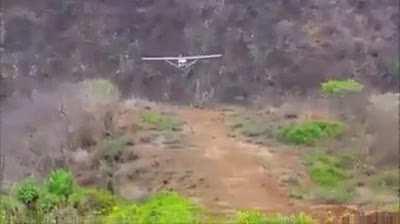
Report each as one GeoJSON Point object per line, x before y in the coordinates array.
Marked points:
{"type": "Point", "coordinates": [268, 46]}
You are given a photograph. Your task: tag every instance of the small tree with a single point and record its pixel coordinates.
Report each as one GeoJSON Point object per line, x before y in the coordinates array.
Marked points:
{"type": "Point", "coordinates": [346, 95]}
{"type": "Point", "coordinates": [61, 183]}
{"type": "Point", "coordinates": [28, 193]}
{"type": "Point", "coordinates": [341, 87]}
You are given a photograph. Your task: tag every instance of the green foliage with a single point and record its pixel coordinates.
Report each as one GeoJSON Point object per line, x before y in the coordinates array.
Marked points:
{"type": "Point", "coordinates": [255, 217]}
{"type": "Point", "coordinates": [252, 128]}
{"type": "Point", "coordinates": [338, 195]}
{"type": "Point", "coordinates": [326, 170]}
{"type": "Point", "coordinates": [28, 192]}
{"type": "Point", "coordinates": [61, 183]}
{"type": "Point", "coordinates": [309, 132]}
{"type": "Point", "coordinates": [164, 208]}
{"type": "Point", "coordinates": [98, 206]}
{"type": "Point", "coordinates": [112, 148]}
{"type": "Point", "coordinates": [169, 208]}
{"type": "Point", "coordinates": [100, 91]}
{"type": "Point", "coordinates": [95, 201]}
{"type": "Point", "coordinates": [47, 201]}
{"type": "Point", "coordinates": [127, 214]}
{"type": "Point", "coordinates": [341, 87]}
{"type": "Point", "coordinates": [161, 122]}
{"type": "Point", "coordinates": [330, 172]}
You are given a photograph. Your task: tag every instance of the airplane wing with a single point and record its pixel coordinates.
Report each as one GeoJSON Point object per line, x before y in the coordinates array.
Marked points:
{"type": "Point", "coordinates": [184, 57]}
{"type": "Point", "coordinates": [159, 58]}
{"type": "Point", "coordinates": [203, 56]}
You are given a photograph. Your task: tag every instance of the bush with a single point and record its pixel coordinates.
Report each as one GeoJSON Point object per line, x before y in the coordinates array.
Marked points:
{"type": "Point", "coordinates": [161, 122]}
{"type": "Point", "coordinates": [337, 195]}
{"type": "Point", "coordinates": [169, 208]}
{"type": "Point", "coordinates": [330, 172]}
{"type": "Point", "coordinates": [28, 192]}
{"type": "Point", "coordinates": [341, 87]}
{"type": "Point", "coordinates": [112, 148]}
{"type": "Point", "coordinates": [94, 201]}
{"type": "Point", "coordinates": [253, 129]}
{"type": "Point", "coordinates": [60, 183]}
{"type": "Point", "coordinates": [164, 208]}
{"type": "Point", "coordinates": [100, 91]}
{"type": "Point", "coordinates": [310, 132]}
{"type": "Point", "coordinates": [255, 217]}
{"type": "Point", "coordinates": [127, 214]}
{"type": "Point", "coordinates": [327, 170]}
{"type": "Point", "coordinates": [47, 202]}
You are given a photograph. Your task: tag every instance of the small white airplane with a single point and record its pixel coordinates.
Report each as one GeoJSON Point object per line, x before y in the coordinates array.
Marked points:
{"type": "Point", "coordinates": [182, 62]}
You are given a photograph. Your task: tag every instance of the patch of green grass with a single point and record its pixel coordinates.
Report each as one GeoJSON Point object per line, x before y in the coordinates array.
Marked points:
{"type": "Point", "coordinates": [309, 132]}
{"type": "Point", "coordinates": [336, 195]}
{"type": "Point", "coordinates": [251, 128]}
{"type": "Point", "coordinates": [327, 170]}
{"type": "Point", "coordinates": [163, 208]}
{"type": "Point", "coordinates": [341, 87]}
{"type": "Point", "coordinates": [255, 217]}
{"type": "Point", "coordinates": [332, 174]}
{"type": "Point", "coordinates": [161, 122]}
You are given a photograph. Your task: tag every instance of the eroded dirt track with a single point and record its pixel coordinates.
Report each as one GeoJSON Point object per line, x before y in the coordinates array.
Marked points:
{"type": "Point", "coordinates": [237, 178]}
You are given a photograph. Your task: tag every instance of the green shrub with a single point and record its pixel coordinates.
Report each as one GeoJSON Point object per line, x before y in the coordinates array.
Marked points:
{"type": "Point", "coordinates": [253, 129]}
{"type": "Point", "coordinates": [331, 173]}
{"type": "Point", "coordinates": [161, 122]}
{"type": "Point", "coordinates": [47, 202]}
{"type": "Point", "coordinates": [60, 183]}
{"type": "Point", "coordinates": [127, 214]}
{"type": "Point", "coordinates": [336, 195]}
{"type": "Point", "coordinates": [310, 132]}
{"type": "Point", "coordinates": [255, 217]}
{"type": "Point", "coordinates": [164, 208]}
{"type": "Point", "coordinates": [169, 208]}
{"type": "Point", "coordinates": [10, 208]}
{"type": "Point", "coordinates": [94, 201]}
{"type": "Point", "coordinates": [100, 91]}
{"type": "Point", "coordinates": [341, 87]}
{"type": "Point", "coordinates": [112, 148]}
{"type": "Point", "coordinates": [326, 170]}
{"type": "Point", "coordinates": [28, 192]}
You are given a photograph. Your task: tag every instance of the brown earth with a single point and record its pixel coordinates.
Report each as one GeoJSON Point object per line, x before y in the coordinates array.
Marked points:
{"type": "Point", "coordinates": [220, 172]}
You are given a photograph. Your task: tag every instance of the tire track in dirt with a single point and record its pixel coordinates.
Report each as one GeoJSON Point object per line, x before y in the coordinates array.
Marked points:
{"type": "Point", "coordinates": [238, 180]}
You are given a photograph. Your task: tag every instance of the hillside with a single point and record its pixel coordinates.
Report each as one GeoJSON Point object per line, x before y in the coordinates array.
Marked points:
{"type": "Point", "coordinates": [269, 47]}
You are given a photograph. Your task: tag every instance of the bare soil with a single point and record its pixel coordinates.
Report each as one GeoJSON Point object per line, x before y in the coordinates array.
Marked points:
{"type": "Point", "coordinates": [220, 172]}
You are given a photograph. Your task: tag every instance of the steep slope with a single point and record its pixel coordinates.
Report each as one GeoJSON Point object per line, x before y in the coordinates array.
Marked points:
{"type": "Point", "coordinates": [268, 46]}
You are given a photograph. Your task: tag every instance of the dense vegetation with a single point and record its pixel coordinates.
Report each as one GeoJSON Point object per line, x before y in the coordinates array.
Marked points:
{"type": "Point", "coordinates": [309, 132]}
{"type": "Point", "coordinates": [341, 87]}
{"type": "Point", "coordinates": [60, 200]}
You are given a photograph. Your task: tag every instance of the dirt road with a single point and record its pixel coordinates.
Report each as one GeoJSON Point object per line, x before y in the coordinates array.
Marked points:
{"type": "Point", "coordinates": [237, 178]}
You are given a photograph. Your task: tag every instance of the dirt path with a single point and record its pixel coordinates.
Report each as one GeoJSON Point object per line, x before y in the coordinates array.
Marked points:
{"type": "Point", "coordinates": [237, 178]}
